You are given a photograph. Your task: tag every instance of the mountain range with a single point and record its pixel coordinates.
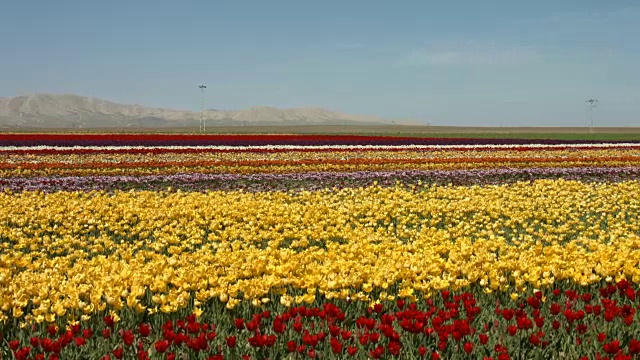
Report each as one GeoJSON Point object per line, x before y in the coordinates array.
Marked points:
{"type": "Point", "coordinates": [73, 111]}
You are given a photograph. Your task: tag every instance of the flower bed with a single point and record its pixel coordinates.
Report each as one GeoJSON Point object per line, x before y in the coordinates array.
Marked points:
{"type": "Point", "coordinates": [329, 247]}
{"type": "Point", "coordinates": [565, 324]}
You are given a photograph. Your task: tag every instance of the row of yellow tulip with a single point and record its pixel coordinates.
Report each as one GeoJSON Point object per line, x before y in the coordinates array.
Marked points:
{"type": "Point", "coordinates": [74, 254]}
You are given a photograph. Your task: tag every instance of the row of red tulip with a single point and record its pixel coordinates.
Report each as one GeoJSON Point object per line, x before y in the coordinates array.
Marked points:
{"type": "Point", "coordinates": [603, 325]}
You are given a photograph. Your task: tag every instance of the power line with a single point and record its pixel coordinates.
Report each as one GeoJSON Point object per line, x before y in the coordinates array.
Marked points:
{"type": "Point", "coordinates": [593, 103]}
{"type": "Point", "coordinates": [203, 125]}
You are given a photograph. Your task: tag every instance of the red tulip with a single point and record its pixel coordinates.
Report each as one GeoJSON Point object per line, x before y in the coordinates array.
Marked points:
{"type": "Point", "coordinates": [534, 339]}
{"type": "Point", "coordinates": [279, 326]}
{"type": "Point", "coordinates": [143, 355]}
{"type": "Point", "coordinates": [374, 337]}
{"type": "Point", "coordinates": [75, 329]}
{"type": "Point", "coordinates": [352, 350]}
{"type": "Point", "coordinates": [524, 323]}
{"type": "Point", "coordinates": [377, 352]}
{"type": "Point", "coordinates": [336, 345]}
{"type": "Point", "coordinates": [194, 328]}
{"type": "Point", "coordinates": [400, 303]}
{"type": "Point", "coordinates": [612, 347]}
{"type": "Point", "coordinates": [422, 351]}
{"type": "Point", "coordinates": [14, 344]}
{"type": "Point", "coordinates": [108, 320]}
{"type": "Point", "coordinates": [394, 348]}
{"type": "Point", "coordinates": [534, 302]}
{"type": "Point", "coordinates": [161, 346]}
{"type": "Point", "coordinates": [623, 284]}
{"type": "Point", "coordinates": [47, 345]}
{"type": "Point", "coordinates": [52, 330]}
{"type": "Point", "coordinates": [364, 340]}
{"type": "Point", "coordinates": [334, 330]}
{"type": "Point", "coordinates": [634, 347]}
{"type": "Point", "coordinates": [181, 324]}
{"type": "Point", "coordinates": [628, 320]}
{"type": "Point", "coordinates": [23, 353]}
{"type": "Point", "coordinates": [79, 341]}
{"type": "Point", "coordinates": [507, 314]}
{"type": "Point", "coordinates": [144, 330]}
{"type": "Point", "coordinates": [442, 345]}
{"type": "Point", "coordinates": [128, 337]}
{"type": "Point", "coordinates": [231, 341]}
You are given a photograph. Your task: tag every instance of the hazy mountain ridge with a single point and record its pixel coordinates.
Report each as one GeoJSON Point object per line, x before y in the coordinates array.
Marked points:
{"type": "Point", "coordinates": [69, 111]}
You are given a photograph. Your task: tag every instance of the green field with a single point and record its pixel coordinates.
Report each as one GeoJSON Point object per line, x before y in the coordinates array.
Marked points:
{"type": "Point", "coordinates": [558, 133]}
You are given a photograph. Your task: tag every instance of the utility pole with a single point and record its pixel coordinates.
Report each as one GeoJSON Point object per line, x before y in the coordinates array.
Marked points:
{"type": "Point", "coordinates": [593, 103]}
{"type": "Point", "coordinates": [203, 125]}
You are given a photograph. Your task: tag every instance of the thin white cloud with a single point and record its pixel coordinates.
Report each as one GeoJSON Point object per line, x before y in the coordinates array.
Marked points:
{"type": "Point", "coordinates": [467, 54]}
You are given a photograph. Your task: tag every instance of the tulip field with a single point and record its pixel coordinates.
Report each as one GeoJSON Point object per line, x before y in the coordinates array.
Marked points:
{"type": "Point", "coordinates": [177, 246]}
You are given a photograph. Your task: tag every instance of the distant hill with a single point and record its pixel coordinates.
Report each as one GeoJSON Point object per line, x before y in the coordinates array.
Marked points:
{"type": "Point", "coordinates": [73, 111]}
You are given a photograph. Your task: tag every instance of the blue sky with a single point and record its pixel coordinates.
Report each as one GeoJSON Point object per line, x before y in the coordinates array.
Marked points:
{"type": "Point", "coordinates": [481, 63]}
